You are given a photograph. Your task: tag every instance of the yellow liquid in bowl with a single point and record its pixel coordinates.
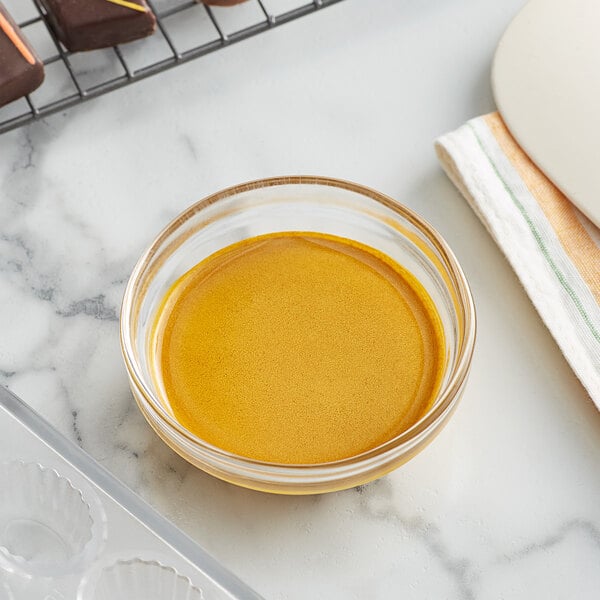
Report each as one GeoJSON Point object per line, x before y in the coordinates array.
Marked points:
{"type": "Point", "coordinates": [297, 348]}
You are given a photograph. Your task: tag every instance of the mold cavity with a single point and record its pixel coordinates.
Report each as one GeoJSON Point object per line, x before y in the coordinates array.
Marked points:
{"type": "Point", "coordinates": [35, 542]}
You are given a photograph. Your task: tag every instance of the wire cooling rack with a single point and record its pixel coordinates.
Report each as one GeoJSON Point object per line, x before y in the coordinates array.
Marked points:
{"type": "Point", "coordinates": [185, 30]}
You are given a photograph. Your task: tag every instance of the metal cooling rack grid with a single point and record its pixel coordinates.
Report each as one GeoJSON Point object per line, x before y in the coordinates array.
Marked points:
{"type": "Point", "coordinates": [185, 30]}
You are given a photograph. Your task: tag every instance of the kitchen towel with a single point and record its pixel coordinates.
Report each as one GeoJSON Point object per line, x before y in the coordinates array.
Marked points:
{"type": "Point", "coordinates": [553, 248]}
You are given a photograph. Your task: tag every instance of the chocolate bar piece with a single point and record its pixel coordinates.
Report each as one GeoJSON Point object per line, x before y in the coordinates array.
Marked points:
{"type": "Point", "coordinates": [92, 24]}
{"type": "Point", "coordinates": [21, 71]}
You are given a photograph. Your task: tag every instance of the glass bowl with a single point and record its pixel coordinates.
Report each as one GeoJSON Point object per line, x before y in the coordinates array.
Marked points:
{"type": "Point", "coordinates": [308, 204]}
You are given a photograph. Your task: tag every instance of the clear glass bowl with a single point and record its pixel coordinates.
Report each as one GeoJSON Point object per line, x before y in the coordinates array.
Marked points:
{"type": "Point", "coordinates": [310, 204]}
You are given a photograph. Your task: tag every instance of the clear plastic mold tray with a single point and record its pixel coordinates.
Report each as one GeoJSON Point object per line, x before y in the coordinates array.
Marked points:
{"type": "Point", "coordinates": [70, 531]}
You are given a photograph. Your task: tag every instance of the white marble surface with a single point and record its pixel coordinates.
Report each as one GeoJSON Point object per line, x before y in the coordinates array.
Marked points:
{"type": "Point", "coordinates": [504, 504]}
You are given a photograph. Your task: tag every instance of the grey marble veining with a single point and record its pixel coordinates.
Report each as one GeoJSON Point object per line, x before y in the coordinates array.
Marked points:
{"type": "Point", "coordinates": [503, 504]}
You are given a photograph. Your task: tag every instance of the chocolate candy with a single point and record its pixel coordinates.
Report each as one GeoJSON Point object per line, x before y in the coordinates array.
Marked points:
{"type": "Point", "coordinates": [21, 71]}
{"type": "Point", "coordinates": [92, 24]}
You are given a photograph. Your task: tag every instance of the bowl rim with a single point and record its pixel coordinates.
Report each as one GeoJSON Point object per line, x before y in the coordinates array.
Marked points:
{"type": "Point", "coordinates": [447, 396]}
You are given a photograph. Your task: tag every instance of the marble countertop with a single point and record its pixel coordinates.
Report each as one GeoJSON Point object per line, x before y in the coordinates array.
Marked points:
{"type": "Point", "coordinates": [504, 503]}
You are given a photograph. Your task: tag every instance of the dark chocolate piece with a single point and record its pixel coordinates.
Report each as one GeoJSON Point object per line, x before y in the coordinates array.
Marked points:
{"type": "Point", "coordinates": [92, 24]}
{"type": "Point", "coordinates": [21, 71]}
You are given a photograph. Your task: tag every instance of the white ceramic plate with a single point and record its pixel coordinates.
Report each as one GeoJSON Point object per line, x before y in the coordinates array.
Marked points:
{"type": "Point", "coordinates": [546, 80]}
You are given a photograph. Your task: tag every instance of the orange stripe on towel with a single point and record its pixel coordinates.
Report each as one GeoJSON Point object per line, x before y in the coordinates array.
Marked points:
{"type": "Point", "coordinates": [576, 241]}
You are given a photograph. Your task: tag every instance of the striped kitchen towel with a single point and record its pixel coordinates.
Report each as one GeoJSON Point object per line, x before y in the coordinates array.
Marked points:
{"type": "Point", "coordinates": [553, 248]}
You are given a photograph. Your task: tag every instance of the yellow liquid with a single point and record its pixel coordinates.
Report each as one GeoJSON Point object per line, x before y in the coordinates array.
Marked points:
{"type": "Point", "coordinates": [297, 348]}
